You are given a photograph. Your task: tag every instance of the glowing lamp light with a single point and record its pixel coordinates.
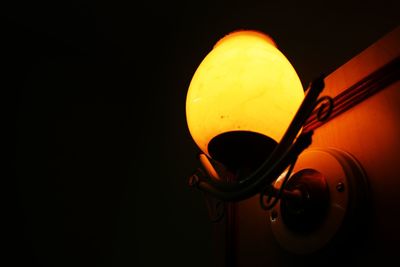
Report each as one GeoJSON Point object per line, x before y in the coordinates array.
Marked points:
{"type": "Point", "coordinates": [242, 98]}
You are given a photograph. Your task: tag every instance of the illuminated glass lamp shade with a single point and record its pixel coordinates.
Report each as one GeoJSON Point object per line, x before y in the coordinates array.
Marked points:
{"type": "Point", "coordinates": [241, 99]}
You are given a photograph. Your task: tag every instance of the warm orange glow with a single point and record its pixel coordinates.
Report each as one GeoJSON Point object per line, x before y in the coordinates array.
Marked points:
{"type": "Point", "coordinates": [244, 84]}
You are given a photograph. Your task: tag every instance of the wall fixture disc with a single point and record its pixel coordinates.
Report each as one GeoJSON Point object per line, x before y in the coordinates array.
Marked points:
{"type": "Point", "coordinates": [334, 188]}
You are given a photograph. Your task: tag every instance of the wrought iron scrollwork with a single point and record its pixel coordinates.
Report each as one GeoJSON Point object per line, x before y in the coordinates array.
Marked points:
{"type": "Point", "coordinates": [324, 107]}
{"type": "Point", "coordinates": [216, 209]}
{"type": "Point", "coordinates": [195, 178]}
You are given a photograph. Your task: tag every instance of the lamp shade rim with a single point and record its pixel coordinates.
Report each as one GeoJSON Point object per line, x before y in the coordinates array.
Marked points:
{"type": "Point", "coordinates": [247, 33]}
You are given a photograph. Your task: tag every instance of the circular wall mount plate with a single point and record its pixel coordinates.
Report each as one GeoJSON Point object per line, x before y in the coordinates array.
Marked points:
{"type": "Point", "coordinates": [341, 188]}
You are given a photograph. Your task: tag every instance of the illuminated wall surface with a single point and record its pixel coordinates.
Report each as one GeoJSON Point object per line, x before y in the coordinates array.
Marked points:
{"type": "Point", "coordinates": [370, 131]}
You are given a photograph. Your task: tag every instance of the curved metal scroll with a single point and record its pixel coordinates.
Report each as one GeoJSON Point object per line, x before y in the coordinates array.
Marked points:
{"type": "Point", "coordinates": [216, 209]}
{"type": "Point", "coordinates": [325, 109]}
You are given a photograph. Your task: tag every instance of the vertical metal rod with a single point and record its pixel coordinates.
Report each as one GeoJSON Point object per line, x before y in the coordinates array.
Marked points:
{"type": "Point", "coordinates": [231, 234]}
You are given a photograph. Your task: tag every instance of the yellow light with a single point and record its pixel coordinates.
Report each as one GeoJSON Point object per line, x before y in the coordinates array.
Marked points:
{"type": "Point", "coordinates": [245, 86]}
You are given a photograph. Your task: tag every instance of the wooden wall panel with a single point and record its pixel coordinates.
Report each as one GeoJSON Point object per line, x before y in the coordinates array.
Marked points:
{"type": "Point", "coordinates": [371, 132]}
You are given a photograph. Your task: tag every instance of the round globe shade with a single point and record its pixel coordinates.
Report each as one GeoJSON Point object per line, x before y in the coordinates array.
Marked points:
{"type": "Point", "coordinates": [245, 84]}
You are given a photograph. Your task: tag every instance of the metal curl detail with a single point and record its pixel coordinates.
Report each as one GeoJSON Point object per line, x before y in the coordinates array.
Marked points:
{"type": "Point", "coordinates": [194, 180]}
{"type": "Point", "coordinates": [216, 209]}
{"type": "Point", "coordinates": [220, 212]}
{"type": "Point", "coordinates": [325, 109]}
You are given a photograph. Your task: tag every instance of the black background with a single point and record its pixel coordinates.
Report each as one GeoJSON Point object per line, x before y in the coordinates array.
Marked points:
{"type": "Point", "coordinates": [98, 100]}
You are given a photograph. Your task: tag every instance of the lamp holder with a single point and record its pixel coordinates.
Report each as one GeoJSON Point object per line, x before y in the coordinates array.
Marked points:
{"type": "Point", "coordinates": [311, 195]}
{"type": "Point", "coordinates": [292, 144]}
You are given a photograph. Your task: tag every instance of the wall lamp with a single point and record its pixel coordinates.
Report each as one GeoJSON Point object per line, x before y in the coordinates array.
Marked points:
{"type": "Point", "coordinates": [247, 110]}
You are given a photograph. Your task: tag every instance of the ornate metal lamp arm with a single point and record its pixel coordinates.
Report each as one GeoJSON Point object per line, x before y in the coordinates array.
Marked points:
{"type": "Point", "coordinates": [282, 156]}
{"type": "Point", "coordinates": [198, 180]}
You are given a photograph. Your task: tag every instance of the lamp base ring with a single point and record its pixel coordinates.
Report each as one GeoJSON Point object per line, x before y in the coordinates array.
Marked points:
{"type": "Point", "coordinates": [334, 189]}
